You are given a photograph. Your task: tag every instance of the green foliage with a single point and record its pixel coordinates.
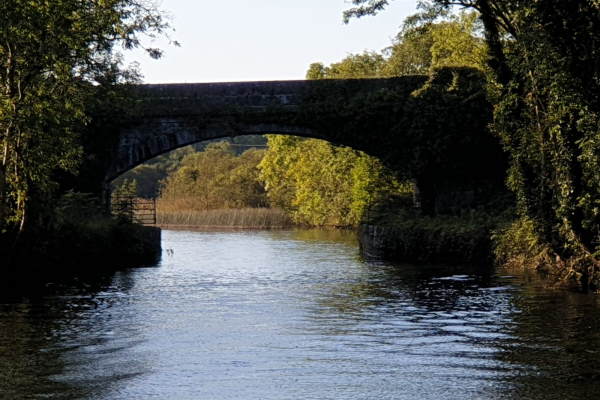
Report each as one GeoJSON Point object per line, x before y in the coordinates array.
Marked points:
{"type": "Point", "coordinates": [544, 58]}
{"type": "Point", "coordinates": [322, 184]}
{"type": "Point", "coordinates": [428, 40]}
{"type": "Point", "coordinates": [217, 178]}
{"type": "Point", "coordinates": [354, 66]}
{"type": "Point", "coordinates": [548, 117]}
{"type": "Point", "coordinates": [410, 237]}
{"type": "Point", "coordinates": [433, 40]}
{"type": "Point", "coordinates": [73, 208]}
{"type": "Point", "coordinates": [149, 175]}
{"type": "Point", "coordinates": [455, 43]}
{"type": "Point", "coordinates": [518, 244]}
{"type": "Point", "coordinates": [128, 188]}
{"type": "Point", "coordinates": [276, 169]}
{"type": "Point", "coordinates": [54, 58]}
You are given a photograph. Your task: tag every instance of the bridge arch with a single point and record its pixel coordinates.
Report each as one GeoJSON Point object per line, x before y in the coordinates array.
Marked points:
{"type": "Point", "coordinates": [140, 148]}
{"type": "Point", "coordinates": [432, 128]}
{"type": "Point", "coordinates": [166, 117]}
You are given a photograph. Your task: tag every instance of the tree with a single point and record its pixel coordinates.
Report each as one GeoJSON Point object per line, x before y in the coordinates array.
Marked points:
{"type": "Point", "coordinates": [216, 178]}
{"type": "Point", "coordinates": [320, 184]}
{"type": "Point", "coordinates": [54, 55]}
{"type": "Point", "coordinates": [276, 170]}
{"type": "Point", "coordinates": [365, 65]}
{"type": "Point", "coordinates": [433, 39]}
{"type": "Point", "coordinates": [546, 79]}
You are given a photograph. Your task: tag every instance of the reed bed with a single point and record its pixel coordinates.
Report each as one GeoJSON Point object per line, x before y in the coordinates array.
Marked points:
{"type": "Point", "coordinates": [242, 218]}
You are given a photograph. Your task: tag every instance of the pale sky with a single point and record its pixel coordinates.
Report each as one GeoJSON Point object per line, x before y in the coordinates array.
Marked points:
{"type": "Point", "coordinates": [242, 40]}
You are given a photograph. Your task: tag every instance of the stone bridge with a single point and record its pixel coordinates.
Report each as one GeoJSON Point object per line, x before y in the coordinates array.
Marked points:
{"type": "Point", "coordinates": [169, 116]}
{"type": "Point", "coordinates": [430, 126]}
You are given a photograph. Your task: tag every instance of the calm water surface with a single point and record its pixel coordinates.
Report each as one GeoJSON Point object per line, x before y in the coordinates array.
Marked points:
{"type": "Point", "coordinates": [297, 315]}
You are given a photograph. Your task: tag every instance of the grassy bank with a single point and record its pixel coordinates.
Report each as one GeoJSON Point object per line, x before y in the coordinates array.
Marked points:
{"type": "Point", "coordinates": [431, 240]}
{"type": "Point", "coordinates": [170, 214]}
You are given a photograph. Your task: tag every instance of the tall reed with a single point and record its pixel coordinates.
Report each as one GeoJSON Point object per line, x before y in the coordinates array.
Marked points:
{"type": "Point", "coordinates": [171, 212]}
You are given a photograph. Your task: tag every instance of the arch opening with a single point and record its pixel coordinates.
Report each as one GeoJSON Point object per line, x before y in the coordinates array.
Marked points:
{"type": "Point", "coordinates": [301, 180]}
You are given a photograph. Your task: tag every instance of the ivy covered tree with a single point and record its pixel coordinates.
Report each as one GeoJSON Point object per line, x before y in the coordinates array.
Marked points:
{"type": "Point", "coordinates": [544, 55]}
{"type": "Point", "coordinates": [54, 56]}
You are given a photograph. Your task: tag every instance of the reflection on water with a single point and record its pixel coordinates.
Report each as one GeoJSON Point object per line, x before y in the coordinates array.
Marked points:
{"type": "Point", "coordinates": [297, 315]}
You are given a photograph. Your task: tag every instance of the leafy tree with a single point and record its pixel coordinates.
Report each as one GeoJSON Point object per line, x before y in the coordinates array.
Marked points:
{"type": "Point", "coordinates": [216, 178]}
{"type": "Point", "coordinates": [544, 57]}
{"type": "Point", "coordinates": [434, 39]}
{"type": "Point", "coordinates": [456, 44]}
{"type": "Point", "coordinates": [276, 170]}
{"type": "Point", "coordinates": [365, 65]}
{"type": "Point", "coordinates": [319, 184]}
{"type": "Point", "coordinates": [54, 55]}
{"type": "Point", "coordinates": [150, 174]}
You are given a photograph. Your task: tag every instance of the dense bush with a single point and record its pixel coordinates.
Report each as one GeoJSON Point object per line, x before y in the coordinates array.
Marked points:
{"type": "Point", "coordinates": [320, 184]}
{"type": "Point", "coordinates": [216, 178]}
{"type": "Point", "coordinates": [78, 235]}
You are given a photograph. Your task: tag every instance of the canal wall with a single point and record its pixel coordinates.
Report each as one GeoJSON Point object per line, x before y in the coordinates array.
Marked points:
{"type": "Point", "coordinates": [424, 244]}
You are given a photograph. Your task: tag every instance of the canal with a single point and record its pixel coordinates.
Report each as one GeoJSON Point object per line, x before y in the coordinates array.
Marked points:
{"type": "Point", "coordinates": [297, 315]}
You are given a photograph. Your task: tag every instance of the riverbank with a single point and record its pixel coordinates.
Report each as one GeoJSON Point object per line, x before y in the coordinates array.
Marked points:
{"type": "Point", "coordinates": [430, 240]}
{"type": "Point", "coordinates": [477, 238]}
{"type": "Point", "coordinates": [104, 243]}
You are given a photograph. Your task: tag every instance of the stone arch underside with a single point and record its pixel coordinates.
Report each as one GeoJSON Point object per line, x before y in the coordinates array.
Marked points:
{"type": "Point", "coordinates": [429, 127]}
{"type": "Point", "coordinates": [166, 117]}
{"type": "Point", "coordinates": [159, 136]}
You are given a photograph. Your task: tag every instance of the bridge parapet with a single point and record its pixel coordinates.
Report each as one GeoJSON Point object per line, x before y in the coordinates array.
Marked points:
{"type": "Point", "coordinates": [199, 98]}
{"type": "Point", "coordinates": [185, 99]}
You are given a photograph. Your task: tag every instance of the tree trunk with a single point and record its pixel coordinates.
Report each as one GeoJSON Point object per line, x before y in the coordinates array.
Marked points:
{"type": "Point", "coordinates": [3, 193]}
{"type": "Point", "coordinates": [496, 56]}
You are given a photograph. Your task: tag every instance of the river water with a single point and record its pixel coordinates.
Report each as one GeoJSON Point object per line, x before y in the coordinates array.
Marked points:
{"type": "Point", "coordinates": [297, 315]}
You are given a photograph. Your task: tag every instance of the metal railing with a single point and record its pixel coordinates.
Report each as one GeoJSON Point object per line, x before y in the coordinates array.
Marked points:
{"type": "Point", "coordinates": [134, 209]}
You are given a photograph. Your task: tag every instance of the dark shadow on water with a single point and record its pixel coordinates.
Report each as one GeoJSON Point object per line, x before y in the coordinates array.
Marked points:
{"type": "Point", "coordinates": [46, 330]}
{"type": "Point", "coordinates": [536, 343]}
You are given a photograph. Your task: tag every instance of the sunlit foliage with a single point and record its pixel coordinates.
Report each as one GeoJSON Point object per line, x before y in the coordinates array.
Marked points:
{"type": "Point", "coordinates": [216, 178]}
{"type": "Point", "coordinates": [322, 184]}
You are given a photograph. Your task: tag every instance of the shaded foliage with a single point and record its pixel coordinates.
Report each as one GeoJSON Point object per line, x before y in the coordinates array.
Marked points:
{"type": "Point", "coordinates": [54, 56]}
{"type": "Point", "coordinates": [545, 83]}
